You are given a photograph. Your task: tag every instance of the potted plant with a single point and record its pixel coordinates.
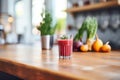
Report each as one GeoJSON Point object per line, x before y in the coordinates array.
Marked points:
{"type": "Point", "coordinates": [46, 30]}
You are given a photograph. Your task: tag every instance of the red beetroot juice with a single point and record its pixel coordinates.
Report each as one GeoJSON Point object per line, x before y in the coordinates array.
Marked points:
{"type": "Point", "coordinates": [65, 47]}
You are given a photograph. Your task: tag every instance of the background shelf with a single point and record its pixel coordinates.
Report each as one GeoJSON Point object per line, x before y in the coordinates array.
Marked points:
{"type": "Point", "coordinates": [94, 6]}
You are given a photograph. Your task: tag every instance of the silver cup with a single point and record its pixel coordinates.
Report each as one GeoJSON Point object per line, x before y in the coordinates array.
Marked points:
{"type": "Point", "coordinates": [47, 41]}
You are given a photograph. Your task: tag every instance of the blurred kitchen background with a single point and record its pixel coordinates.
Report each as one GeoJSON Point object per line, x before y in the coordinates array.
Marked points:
{"type": "Point", "coordinates": [19, 18]}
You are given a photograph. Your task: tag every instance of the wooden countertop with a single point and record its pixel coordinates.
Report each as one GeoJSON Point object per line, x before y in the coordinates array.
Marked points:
{"type": "Point", "coordinates": [30, 63]}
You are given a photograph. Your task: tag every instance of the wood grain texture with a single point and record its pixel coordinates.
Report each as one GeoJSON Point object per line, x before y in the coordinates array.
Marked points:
{"type": "Point", "coordinates": [94, 6]}
{"type": "Point", "coordinates": [30, 63]}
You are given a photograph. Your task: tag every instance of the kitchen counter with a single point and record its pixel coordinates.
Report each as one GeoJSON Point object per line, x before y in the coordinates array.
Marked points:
{"type": "Point", "coordinates": [31, 63]}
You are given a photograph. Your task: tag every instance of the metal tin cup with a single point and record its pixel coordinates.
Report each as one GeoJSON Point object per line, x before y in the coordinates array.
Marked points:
{"type": "Point", "coordinates": [47, 41]}
{"type": "Point", "coordinates": [65, 47]}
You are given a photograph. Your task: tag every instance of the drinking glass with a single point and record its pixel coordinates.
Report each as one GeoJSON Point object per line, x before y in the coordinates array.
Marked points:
{"type": "Point", "coordinates": [65, 44]}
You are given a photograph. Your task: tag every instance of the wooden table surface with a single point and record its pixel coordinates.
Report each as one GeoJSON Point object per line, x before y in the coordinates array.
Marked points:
{"type": "Point", "coordinates": [31, 63]}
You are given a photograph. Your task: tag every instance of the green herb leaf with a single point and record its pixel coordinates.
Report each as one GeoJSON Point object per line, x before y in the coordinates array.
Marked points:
{"type": "Point", "coordinates": [64, 37]}
{"type": "Point", "coordinates": [45, 26]}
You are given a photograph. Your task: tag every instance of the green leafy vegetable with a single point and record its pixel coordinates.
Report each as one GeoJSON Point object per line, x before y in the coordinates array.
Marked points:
{"type": "Point", "coordinates": [90, 26]}
{"type": "Point", "coordinates": [45, 26]}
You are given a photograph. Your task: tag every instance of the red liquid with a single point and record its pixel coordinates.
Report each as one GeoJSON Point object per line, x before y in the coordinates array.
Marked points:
{"type": "Point", "coordinates": [65, 47]}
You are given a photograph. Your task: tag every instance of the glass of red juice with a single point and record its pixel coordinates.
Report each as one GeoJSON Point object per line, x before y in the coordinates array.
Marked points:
{"type": "Point", "coordinates": [65, 44]}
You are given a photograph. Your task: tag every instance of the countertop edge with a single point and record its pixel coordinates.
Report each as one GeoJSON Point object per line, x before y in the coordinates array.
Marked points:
{"type": "Point", "coordinates": [32, 72]}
